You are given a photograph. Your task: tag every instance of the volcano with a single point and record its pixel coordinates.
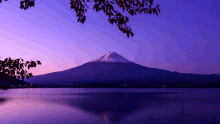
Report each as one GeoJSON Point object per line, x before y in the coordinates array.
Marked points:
{"type": "Point", "coordinates": [111, 57]}
{"type": "Point", "coordinates": [114, 68]}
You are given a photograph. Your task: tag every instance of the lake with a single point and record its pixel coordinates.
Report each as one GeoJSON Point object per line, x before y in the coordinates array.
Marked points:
{"type": "Point", "coordinates": [110, 106]}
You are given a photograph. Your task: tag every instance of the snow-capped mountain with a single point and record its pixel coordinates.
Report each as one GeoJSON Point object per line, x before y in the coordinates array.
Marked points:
{"type": "Point", "coordinates": [111, 57]}
{"type": "Point", "coordinates": [113, 68]}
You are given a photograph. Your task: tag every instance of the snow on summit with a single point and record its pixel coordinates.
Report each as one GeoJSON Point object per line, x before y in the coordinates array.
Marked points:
{"type": "Point", "coordinates": [111, 57]}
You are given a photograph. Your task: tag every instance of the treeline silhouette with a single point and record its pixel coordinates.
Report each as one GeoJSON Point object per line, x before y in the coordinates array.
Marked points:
{"type": "Point", "coordinates": [114, 85]}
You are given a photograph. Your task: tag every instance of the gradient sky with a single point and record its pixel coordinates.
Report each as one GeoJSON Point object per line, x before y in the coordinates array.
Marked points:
{"type": "Point", "coordinates": [183, 38]}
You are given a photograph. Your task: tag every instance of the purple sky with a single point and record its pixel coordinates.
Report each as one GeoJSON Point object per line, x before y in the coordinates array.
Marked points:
{"type": "Point", "coordinates": [183, 38]}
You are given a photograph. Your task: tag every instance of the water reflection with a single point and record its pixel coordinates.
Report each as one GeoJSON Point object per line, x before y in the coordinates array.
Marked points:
{"type": "Point", "coordinates": [88, 106]}
{"type": "Point", "coordinates": [26, 111]}
{"type": "Point", "coordinates": [113, 107]}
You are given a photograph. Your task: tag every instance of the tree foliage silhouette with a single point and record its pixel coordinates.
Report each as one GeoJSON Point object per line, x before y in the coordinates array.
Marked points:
{"type": "Point", "coordinates": [133, 7]}
{"type": "Point", "coordinates": [11, 69]}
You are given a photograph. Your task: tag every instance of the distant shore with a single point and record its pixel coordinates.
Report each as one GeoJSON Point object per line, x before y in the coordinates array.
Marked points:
{"type": "Point", "coordinates": [118, 85]}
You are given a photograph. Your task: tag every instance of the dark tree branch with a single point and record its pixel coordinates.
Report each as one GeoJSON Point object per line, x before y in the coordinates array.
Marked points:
{"type": "Point", "coordinates": [11, 69]}
{"type": "Point", "coordinates": [131, 6]}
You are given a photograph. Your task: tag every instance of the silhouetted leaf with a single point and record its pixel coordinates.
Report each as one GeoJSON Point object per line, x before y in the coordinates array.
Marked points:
{"type": "Point", "coordinates": [126, 19]}
{"type": "Point", "coordinates": [150, 11]}
{"type": "Point", "coordinates": [29, 66]}
{"type": "Point", "coordinates": [30, 75]}
{"type": "Point", "coordinates": [27, 77]}
{"type": "Point", "coordinates": [158, 10]}
{"type": "Point", "coordinates": [151, 2]}
{"type": "Point", "coordinates": [38, 62]}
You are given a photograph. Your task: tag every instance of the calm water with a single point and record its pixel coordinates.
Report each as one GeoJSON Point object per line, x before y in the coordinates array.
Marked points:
{"type": "Point", "coordinates": [109, 106]}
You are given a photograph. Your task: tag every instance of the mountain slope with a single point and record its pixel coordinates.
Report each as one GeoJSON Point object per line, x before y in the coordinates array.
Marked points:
{"type": "Point", "coordinates": [103, 72]}
{"type": "Point", "coordinates": [113, 68]}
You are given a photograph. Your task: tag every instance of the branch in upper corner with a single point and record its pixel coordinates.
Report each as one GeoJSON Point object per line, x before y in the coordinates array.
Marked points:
{"type": "Point", "coordinates": [133, 7]}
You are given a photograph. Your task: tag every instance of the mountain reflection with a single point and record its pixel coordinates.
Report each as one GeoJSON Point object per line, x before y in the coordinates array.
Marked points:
{"type": "Point", "coordinates": [109, 106]}
{"type": "Point", "coordinates": [112, 107]}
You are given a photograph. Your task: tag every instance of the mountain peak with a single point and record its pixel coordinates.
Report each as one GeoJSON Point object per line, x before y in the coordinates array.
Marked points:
{"type": "Point", "coordinates": [111, 57]}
